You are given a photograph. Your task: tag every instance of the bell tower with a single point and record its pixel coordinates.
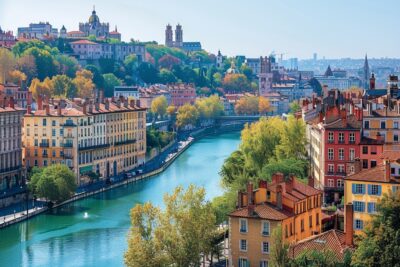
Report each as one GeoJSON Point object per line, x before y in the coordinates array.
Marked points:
{"type": "Point", "coordinates": [178, 36]}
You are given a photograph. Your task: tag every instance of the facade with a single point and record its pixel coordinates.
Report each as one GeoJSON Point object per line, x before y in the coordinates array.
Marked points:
{"type": "Point", "coordinates": [12, 174]}
{"type": "Point", "coordinates": [179, 43]}
{"type": "Point", "coordinates": [254, 64]}
{"type": "Point", "coordinates": [7, 39]}
{"type": "Point", "coordinates": [365, 188]}
{"type": "Point", "coordinates": [127, 91]}
{"type": "Point", "coordinates": [294, 206]}
{"type": "Point", "coordinates": [182, 94]}
{"type": "Point", "coordinates": [106, 137]}
{"type": "Point", "coordinates": [265, 76]}
{"type": "Point", "coordinates": [41, 31]}
{"type": "Point", "coordinates": [333, 82]}
{"type": "Point", "coordinates": [219, 60]}
{"type": "Point", "coordinates": [20, 97]}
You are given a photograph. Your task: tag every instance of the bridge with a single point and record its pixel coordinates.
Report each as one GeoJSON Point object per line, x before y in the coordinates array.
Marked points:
{"type": "Point", "coordinates": [239, 118]}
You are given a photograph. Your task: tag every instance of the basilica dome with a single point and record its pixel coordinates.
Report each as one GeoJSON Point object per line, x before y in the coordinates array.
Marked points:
{"type": "Point", "coordinates": [93, 19]}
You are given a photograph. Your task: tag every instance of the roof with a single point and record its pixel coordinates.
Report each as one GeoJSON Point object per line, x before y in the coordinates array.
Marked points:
{"type": "Point", "coordinates": [84, 42]}
{"type": "Point", "coordinates": [9, 109]}
{"type": "Point", "coordinates": [262, 211]}
{"type": "Point", "coordinates": [299, 190]}
{"type": "Point", "coordinates": [376, 174]}
{"type": "Point", "coordinates": [75, 32]}
{"type": "Point", "coordinates": [385, 112]}
{"type": "Point", "coordinates": [335, 122]}
{"type": "Point", "coordinates": [371, 141]}
{"type": "Point", "coordinates": [333, 240]}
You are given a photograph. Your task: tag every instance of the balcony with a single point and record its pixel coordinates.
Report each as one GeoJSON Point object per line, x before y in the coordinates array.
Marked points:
{"type": "Point", "coordinates": [68, 124]}
{"type": "Point", "coordinates": [67, 145]}
{"type": "Point", "coordinates": [352, 142]}
{"type": "Point", "coordinates": [126, 142]}
{"type": "Point", "coordinates": [44, 144]}
{"type": "Point", "coordinates": [331, 141]}
{"type": "Point", "coordinates": [341, 141]}
{"type": "Point", "coordinates": [93, 147]}
{"type": "Point", "coordinates": [10, 169]}
{"type": "Point", "coordinates": [45, 155]}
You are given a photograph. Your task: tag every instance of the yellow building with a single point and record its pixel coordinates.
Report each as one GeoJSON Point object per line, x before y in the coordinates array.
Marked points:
{"type": "Point", "coordinates": [107, 137]}
{"type": "Point", "coordinates": [366, 187]}
{"type": "Point", "coordinates": [294, 206]}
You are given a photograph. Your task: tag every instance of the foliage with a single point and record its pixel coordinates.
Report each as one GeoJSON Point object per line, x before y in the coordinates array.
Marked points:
{"type": "Point", "coordinates": [236, 83]}
{"type": "Point", "coordinates": [27, 65]}
{"type": "Point", "coordinates": [110, 81]}
{"type": "Point", "coordinates": [209, 107]}
{"type": "Point", "coordinates": [222, 206]}
{"type": "Point", "coordinates": [148, 73]}
{"type": "Point", "coordinates": [83, 82]}
{"type": "Point", "coordinates": [187, 115]}
{"type": "Point", "coordinates": [171, 110]}
{"type": "Point", "coordinates": [67, 65]}
{"type": "Point", "coordinates": [316, 258]}
{"type": "Point", "coordinates": [285, 166]}
{"type": "Point", "coordinates": [55, 183]}
{"type": "Point", "coordinates": [263, 105]}
{"type": "Point", "coordinates": [247, 71]}
{"type": "Point", "coordinates": [379, 245]}
{"type": "Point", "coordinates": [293, 139]}
{"type": "Point", "coordinates": [158, 139]}
{"type": "Point", "coordinates": [167, 61]}
{"type": "Point", "coordinates": [98, 79]}
{"type": "Point", "coordinates": [159, 106]}
{"type": "Point", "coordinates": [46, 65]}
{"type": "Point", "coordinates": [63, 86]}
{"type": "Point", "coordinates": [250, 105]}
{"type": "Point", "coordinates": [166, 76]}
{"type": "Point", "coordinates": [17, 77]}
{"type": "Point", "coordinates": [174, 237]}
{"type": "Point", "coordinates": [279, 249]}
{"type": "Point", "coordinates": [39, 88]}
{"type": "Point", "coordinates": [294, 107]}
{"type": "Point", "coordinates": [7, 63]}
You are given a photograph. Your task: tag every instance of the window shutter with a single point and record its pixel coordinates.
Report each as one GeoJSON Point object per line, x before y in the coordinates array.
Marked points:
{"type": "Point", "coordinates": [353, 188]}
{"type": "Point", "coordinates": [239, 263]}
{"type": "Point", "coordinates": [363, 188]}
{"type": "Point", "coordinates": [369, 207]}
{"type": "Point", "coordinates": [369, 189]}
{"type": "Point", "coordinates": [362, 224]}
{"type": "Point", "coordinates": [379, 190]}
{"type": "Point", "coordinates": [363, 206]}
{"type": "Point", "coordinates": [393, 188]}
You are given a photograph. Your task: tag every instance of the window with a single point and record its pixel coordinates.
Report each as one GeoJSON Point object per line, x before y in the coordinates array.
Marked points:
{"type": "Point", "coordinates": [310, 221]}
{"type": "Point", "coordinates": [263, 263]}
{"type": "Point", "coordinates": [373, 163]}
{"type": "Point", "coordinates": [373, 150]}
{"type": "Point", "coordinates": [358, 224]}
{"type": "Point", "coordinates": [331, 168]}
{"type": "Point", "coordinates": [317, 219]}
{"type": "Point", "coordinates": [340, 183]}
{"type": "Point", "coordinates": [330, 137]}
{"type": "Point", "coordinates": [330, 154]}
{"type": "Point", "coordinates": [243, 225]}
{"type": "Point", "coordinates": [341, 169]}
{"type": "Point", "coordinates": [358, 189]}
{"type": "Point", "coordinates": [365, 150]}
{"type": "Point", "coordinates": [265, 247]}
{"type": "Point", "coordinates": [365, 164]}
{"type": "Point", "coordinates": [243, 262]}
{"type": "Point", "coordinates": [396, 137]}
{"type": "Point", "coordinates": [53, 132]}
{"type": "Point", "coordinates": [371, 207]}
{"type": "Point", "coordinates": [302, 225]}
{"type": "Point", "coordinates": [352, 137]}
{"type": "Point", "coordinates": [36, 142]}
{"type": "Point", "coordinates": [61, 132]}
{"type": "Point", "coordinates": [366, 124]}
{"type": "Point", "coordinates": [396, 125]}
{"type": "Point", "coordinates": [359, 206]}
{"type": "Point", "coordinates": [53, 142]}
{"type": "Point", "coordinates": [243, 245]}
{"type": "Point", "coordinates": [352, 154]}
{"type": "Point", "coordinates": [341, 153]}
{"type": "Point", "coordinates": [374, 189]}
{"type": "Point", "coordinates": [44, 122]}
{"type": "Point", "coordinates": [331, 183]}
{"type": "Point", "coordinates": [53, 123]}
{"type": "Point", "coordinates": [265, 228]}
{"type": "Point", "coordinates": [383, 124]}
{"type": "Point", "coordinates": [341, 138]}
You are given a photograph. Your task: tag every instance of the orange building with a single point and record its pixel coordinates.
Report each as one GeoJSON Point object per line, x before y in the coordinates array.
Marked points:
{"type": "Point", "coordinates": [286, 202]}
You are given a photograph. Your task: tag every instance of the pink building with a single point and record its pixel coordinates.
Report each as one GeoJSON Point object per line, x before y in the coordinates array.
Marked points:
{"type": "Point", "coordinates": [7, 39]}
{"type": "Point", "coordinates": [182, 94]}
{"type": "Point", "coordinates": [86, 49]}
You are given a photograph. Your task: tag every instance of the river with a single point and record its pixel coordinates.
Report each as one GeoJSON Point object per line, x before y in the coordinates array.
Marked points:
{"type": "Point", "coordinates": [93, 231]}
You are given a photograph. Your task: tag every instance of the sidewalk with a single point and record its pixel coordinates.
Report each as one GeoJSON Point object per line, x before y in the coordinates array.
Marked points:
{"type": "Point", "coordinates": [19, 216]}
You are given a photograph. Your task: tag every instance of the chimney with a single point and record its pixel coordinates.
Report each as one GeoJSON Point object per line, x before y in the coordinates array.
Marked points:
{"type": "Point", "coordinates": [387, 169]}
{"type": "Point", "coordinates": [39, 103]}
{"type": "Point", "coordinates": [357, 165]}
{"type": "Point", "coordinates": [126, 103]}
{"type": "Point", "coordinates": [107, 104]}
{"type": "Point", "coordinates": [289, 183]}
{"type": "Point", "coordinates": [28, 109]}
{"type": "Point", "coordinates": [250, 200]}
{"type": "Point", "coordinates": [90, 107]}
{"type": "Point", "coordinates": [84, 108]}
{"type": "Point", "coordinates": [240, 200]}
{"type": "Point", "coordinates": [310, 181]}
{"type": "Point", "coordinates": [138, 103]}
{"type": "Point", "coordinates": [59, 108]}
{"type": "Point", "coordinates": [279, 196]}
{"type": "Point", "coordinates": [11, 103]}
{"type": "Point", "coordinates": [372, 82]}
{"type": "Point", "coordinates": [349, 224]}
{"type": "Point", "coordinates": [277, 178]}
{"type": "Point", "coordinates": [101, 96]}
{"type": "Point", "coordinates": [250, 209]}
{"type": "Point", "coordinates": [47, 107]}
{"type": "Point", "coordinates": [97, 105]}
{"type": "Point", "coordinates": [132, 103]}
{"type": "Point", "coordinates": [343, 116]}
{"type": "Point", "coordinates": [262, 184]}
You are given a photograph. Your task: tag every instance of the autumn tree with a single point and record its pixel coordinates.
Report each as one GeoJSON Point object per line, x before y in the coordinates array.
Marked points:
{"type": "Point", "coordinates": [247, 105]}
{"type": "Point", "coordinates": [44, 89]}
{"type": "Point", "coordinates": [64, 86]}
{"type": "Point", "coordinates": [168, 61]}
{"type": "Point", "coordinates": [27, 65]}
{"type": "Point", "coordinates": [209, 107]}
{"type": "Point", "coordinates": [187, 115]}
{"type": "Point", "coordinates": [83, 83]}
{"type": "Point", "coordinates": [7, 63]}
{"type": "Point", "coordinates": [263, 105]}
{"type": "Point", "coordinates": [17, 77]}
{"type": "Point", "coordinates": [236, 83]}
{"type": "Point", "coordinates": [159, 106]}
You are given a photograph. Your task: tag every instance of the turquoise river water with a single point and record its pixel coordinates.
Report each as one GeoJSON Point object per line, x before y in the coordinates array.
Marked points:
{"type": "Point", "coordinates": [93, 231]}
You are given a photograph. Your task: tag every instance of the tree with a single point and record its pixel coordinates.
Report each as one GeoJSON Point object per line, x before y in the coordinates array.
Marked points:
{"type": "Point", "coordinates": [67, 65]}
{"type": "Point", "coordinates": [55, 183]}
{"type": "Point", "coordinates": [27, 65]}
{"type": "Point", "coordinates": [45, 63]}
{"type": "Point", "coordinates": [110, 81]}
{"type": "Point", "coordinates": [236, 83]}
{"type": "Point", "coordinates": [209, 107]}
{"type": "Point", "coordinates": [293, 139]}
{"type": "Point", "coordinates": [148, 73]}
{"type": "Point", "coordinates": [187, 115]}
{"type": "Point", "coordinates": [83, 83]}
{"type": "Point", "coordinates": [166, 76]}
{"type": "Point", "coordinates": [63, 86]}
{"type": "Point", "coordinates": [279, 249]}
{"type": "Point", "coordinates": [171, 110]}
{"type": "Point", "coordinates": [44, 88]}
{"type": "Point", "coordinates": [7, 63]}
{"type": "Point", "coordinates": [168, 61]}
{"type": "Point", "coordinates": [316, 258]}
{"type": "Point", "coordinates": [159, 106]}
{"type": "Point", "coordinates": [379, 245]}
{"type": "Point", "coordinates": [98, 79]}
{"type": "Point", "coordinates": [176, 236]}
{"type": "Point", "coordinates": [247, 71]}
{"type": "Point", "coordinates": [263, 105]}
{"type": "Point", "coordinates": [286, 166]}
{"type": "Point", "coordinates": [294, 107]}
{"type": "Point", "coordinates": [17, 77]}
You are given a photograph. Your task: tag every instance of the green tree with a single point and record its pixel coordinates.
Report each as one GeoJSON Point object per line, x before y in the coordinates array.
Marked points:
{"type": "Point", "coordinates": [55, 183]}
{"type": "Point", "coordinates": [148, 73]}
{"type": "Point", "coordinates": [7, 63]}
{"type": "Point", "coordinates": [247, 71]}
{"type": "Point", "coordinates": [279, 249]}
{"type": "Point", "coordinates": [286, 166]}
{"type": "Point", "coordinates": [27, 65]}
{"type": "Point", "coordinates": [294, 107]}
{"type": "Point", "coordinates": [67, 65]}
{"type": "Point", "coordinates": [159, 106]}
{"type": "Point", "coordinates": [166, 76]}
{"type": "Point", "coordinates": [379, 245]}
{"type": "Point", "coordinates": [187, 115]}
{"type": "Point", "coordinates": [110, 81]}
{"type": "Point", "coordinates": [45, 63]}
{"type": "Point", "coordinates": [63, 86]}
{"type": "Point", "coordinates": [293, 139]}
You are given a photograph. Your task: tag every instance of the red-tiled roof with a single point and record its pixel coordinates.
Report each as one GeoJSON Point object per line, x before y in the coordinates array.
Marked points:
{"type": "Point", "coordinates": [299, 190]}
{"type": "Point", "coordinates": [262, 211]}
{"type": "Point", "coordinates": [376, 174]}
{"type": "Point", "coordinates": [332, 240]}
{"type": "Point", "coordinates": [75, 32]}
{"type": "Point", "coordinates": [84, 42]}
{"type": "Point", "coordinates": [337, 123]}
{"type": "Point", "coordinates": [8, 109]}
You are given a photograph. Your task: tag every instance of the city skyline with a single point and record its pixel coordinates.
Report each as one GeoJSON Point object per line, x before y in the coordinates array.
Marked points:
{"type": "Point", "coordinates": [290, 27]}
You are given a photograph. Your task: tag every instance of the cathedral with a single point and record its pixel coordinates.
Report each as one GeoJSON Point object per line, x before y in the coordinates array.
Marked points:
{"type": "Point", "coordinates": [179, 43]}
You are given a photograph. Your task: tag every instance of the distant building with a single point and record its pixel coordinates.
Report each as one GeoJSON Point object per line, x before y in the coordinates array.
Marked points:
{"type": "Point", "coordinates": [127, 91]}
{"type": "Point", "coordinates": [337, 82]}
{"type": "Point", "coordinates": [265, 76]}
{"type": "Point", "coordinates": [182, 94]}
{"type": "Point", "coordinates": [254, 64]}
{"type": "Point", "coordinates": [41, 31]}
{"type": "Point", "coordinates": [366, 74]}
{"type": "Point", "coordinates": [7, 39]}
{"type": "Point", "coordinates": [219, 60]}
{"type": "Point", "coordinates": [20, 97]}
{"type": "Point", "coordinates": [179, 43]}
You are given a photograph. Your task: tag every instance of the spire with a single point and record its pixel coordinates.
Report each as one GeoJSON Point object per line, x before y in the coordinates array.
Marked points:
{"type": "Point", "coordinates": [328, 71]}
{"type": "Point", "coordinates": [116, 30]}
{"type": "Point", "coordinates": [366, 73]}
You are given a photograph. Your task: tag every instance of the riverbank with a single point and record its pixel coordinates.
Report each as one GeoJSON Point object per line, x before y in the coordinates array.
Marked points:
{"type": "Point", "coordinates": [195, 135]}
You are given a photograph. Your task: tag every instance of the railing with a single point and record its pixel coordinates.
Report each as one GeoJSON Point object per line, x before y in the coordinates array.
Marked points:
{"type": "Point", "coordinates": [131, 141]}
{"type": "Point", "coordinates": [44, 144]}
{"type": "Point", "coordinates": [93, 147]}
{"type": "Point", "coordinates": [68, 124]}
{"type": "Point", "coordinates": [67, 145]}
{"type": "Point", "coordinates": [10, 169]}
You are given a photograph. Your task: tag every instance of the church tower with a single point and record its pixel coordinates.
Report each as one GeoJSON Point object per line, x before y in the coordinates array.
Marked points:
{"type": "Point", "coordinates": [219, 60]}
{"type": "Point", "coordinates": [169, 42]}
{"type": "Point", "coordinates": [178, 36]}
{"type": "Point", "coordinates": [265, 77]}
{"type": "Point", "coordinates": [366, 73]}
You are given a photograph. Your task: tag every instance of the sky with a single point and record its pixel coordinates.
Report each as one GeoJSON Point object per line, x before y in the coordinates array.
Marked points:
{"type": "Point", "coordinates": [297, 28]}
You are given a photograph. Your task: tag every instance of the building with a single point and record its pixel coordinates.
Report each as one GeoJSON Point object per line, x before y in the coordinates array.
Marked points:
{"type": "Point", "coordinates": [294, 206]}
{"type": "Point", "coordinates": [365, 188]}
{"type": "Point", "coordinates": [127, 91]}
{"type": "Point", "coordinates": [105, 137]}
{"type": "Point", "coordinates": [7, 39]}
{"type": "Point", "coordinates": [12, 174]}
{"type": "Point", "coordinates": [182, 94]}
{"type": "Point", "coordinates": [20, 97]}
{"type": "Point", "coordinates": [342, 84]}
{"type": "Point", "coordinates": [179, 43]}
{"type": "Point", "coordinates": [366, 74]}
{"type": "Point", "coordinates": [41, 31]}
{"type": "Point", "coordinates": [219, 61]}
{"type": "Point", "coordinates": [265, 76]}
{"type": "Point", "coordinates": [148, 94]}
{"type": "Point", "coordinates": [254, 64]}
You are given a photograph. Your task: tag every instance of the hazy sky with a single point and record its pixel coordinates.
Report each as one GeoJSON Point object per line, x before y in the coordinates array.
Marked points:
{"type": "Point", "coordinates": [334, 29]}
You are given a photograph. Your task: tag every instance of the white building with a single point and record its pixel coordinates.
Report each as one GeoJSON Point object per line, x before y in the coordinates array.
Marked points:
{"type": "Point", "coordinates": [127, 91]}
{"type": "Point", "coordinates": [41, 30]}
